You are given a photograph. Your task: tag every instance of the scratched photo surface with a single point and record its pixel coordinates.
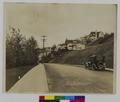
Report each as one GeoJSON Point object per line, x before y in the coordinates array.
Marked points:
{"type": "Point", "coordinates": [60, 48]}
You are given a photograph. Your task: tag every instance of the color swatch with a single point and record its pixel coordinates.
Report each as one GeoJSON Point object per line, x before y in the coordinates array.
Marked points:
{"type": "Point", "coordinates": [61, 98]}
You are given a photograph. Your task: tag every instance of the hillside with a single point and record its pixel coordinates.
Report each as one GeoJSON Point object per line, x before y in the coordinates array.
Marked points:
{"type": "Point", "coordinates": [99, 47]}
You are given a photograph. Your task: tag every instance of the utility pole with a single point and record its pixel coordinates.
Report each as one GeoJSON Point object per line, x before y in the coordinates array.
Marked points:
{"type": "Point", "coordinates": [43, 39]}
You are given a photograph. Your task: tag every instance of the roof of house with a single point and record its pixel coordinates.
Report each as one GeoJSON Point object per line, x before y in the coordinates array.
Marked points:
{"type": "Point", "coordinates": [72, 41]}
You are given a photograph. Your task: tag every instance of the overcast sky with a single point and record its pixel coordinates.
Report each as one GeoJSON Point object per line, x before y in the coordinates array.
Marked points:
{"type": "Point", "coordinates": [60, 21]}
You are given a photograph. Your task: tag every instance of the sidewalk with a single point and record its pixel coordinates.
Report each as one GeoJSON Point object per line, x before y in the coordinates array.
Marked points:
{"type": "Point", "coordinates": [107, 69]}
{"type": "Point", "coordinates": [34, 81]}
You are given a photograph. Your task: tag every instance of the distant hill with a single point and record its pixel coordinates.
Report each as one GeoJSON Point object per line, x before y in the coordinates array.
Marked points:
{"type": "Point", "coordinates": [102, 46]}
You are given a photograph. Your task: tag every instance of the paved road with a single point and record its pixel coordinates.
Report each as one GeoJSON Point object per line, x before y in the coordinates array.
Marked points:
{"type": "Point", "coordinates": [64, 78]}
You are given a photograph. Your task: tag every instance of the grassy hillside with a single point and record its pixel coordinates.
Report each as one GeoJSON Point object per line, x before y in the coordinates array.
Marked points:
{"type": "Point", "coordinates": [105, 47]}
{"type": "Point", "coordinates": [13, 73]}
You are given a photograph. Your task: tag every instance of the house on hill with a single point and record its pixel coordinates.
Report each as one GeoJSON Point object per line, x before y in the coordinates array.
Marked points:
{"type": "Point", "coordinates": [74, 45]}
{"type": "Point", "coordinates": [95, 35]}
{"type": "Point", "coordinates": [61, 46]}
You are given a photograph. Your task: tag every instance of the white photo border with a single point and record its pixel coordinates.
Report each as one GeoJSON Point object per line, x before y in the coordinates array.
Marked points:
{"type": "Point", "coordinates": [34, 97]}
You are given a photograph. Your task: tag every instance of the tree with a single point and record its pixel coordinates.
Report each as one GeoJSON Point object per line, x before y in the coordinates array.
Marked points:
{"type": "Point", "coordinates": [19, 50]}
{"type": "Point", "coordinates": [14, 47]}
{"type": "Point", "coordinates": [32, 51]}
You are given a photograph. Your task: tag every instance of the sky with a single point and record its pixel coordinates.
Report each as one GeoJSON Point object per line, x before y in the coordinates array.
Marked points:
{"type": "Point", "coordinates": [59, 21]}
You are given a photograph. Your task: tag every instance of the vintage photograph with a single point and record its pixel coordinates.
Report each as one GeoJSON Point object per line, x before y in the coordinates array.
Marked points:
{"type": "Point", "coordinates": [60, 47]}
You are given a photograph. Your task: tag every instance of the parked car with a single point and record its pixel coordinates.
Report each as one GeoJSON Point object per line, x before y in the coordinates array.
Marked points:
{"type": "Point", "coordinates": [95, 62]}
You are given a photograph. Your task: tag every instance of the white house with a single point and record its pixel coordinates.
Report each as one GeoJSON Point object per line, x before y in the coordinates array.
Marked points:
{"type": "Point", "coordinates": [74, 45]}
{"type": "Point", "coordinates": [79, 46]}
{"type": "Point", "coordinates": [61, 46]}
{"type": "Point", "coordinates": [95, 35]}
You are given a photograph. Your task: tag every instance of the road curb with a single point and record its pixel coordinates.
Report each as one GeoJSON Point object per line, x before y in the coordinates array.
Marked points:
{"type": "Point", "coordinates": [108, 69]}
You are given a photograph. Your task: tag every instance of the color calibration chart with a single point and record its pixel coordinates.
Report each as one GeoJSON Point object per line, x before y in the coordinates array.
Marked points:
{"type": "Point", "coordinates": [61, 98]}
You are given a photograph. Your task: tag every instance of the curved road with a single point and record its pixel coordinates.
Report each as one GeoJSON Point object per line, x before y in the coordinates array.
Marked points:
{"type": "Point", "coordinates": [66, 78]}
